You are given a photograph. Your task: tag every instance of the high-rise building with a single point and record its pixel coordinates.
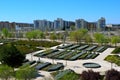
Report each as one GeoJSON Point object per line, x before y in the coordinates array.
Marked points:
{"type": "Point", "coordinates": [80, 23]}
{"type": "Point", "coordinates": [24, 26]}
{"type": "Point", "coordinates": [101, 23]}
{"type": "Point", "coordinates": [7, 25]}
{"type": "Point", "coordinates": [43, 25]}
{"type": "Point", "coordinates": [61, 24]}
{"type": "Point", "coordinates": [91, 26]}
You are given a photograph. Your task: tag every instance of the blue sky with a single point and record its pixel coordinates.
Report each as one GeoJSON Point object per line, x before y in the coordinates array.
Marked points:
{"type": "Point", "coordinates": [29, 10]}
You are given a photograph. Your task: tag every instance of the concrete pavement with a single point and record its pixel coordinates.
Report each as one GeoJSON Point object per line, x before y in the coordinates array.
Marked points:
{"type": "Point", "coordinates": [77, 65]}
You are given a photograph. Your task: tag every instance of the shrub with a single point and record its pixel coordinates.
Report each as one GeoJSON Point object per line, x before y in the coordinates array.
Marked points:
{"type": "Point", "coordinates": [11, 56]}
{"type": "Point", "coordinates": [113, 59]}
{"type": "Point", "coordinates": [90, 75]}
{"type": "Point", "coordinates": [112, 75]}
{"type": "Point", "coordinates": [117, 50]}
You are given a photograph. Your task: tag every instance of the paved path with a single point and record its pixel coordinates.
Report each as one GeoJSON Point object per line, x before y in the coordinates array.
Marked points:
{"type": "Point", "coordinates": [77, 65]}
{"type": "Point", "coordinates": [104, 54]}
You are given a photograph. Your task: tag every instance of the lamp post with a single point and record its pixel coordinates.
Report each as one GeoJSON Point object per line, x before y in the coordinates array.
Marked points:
{"type": "Point", "coordinates": [31, 57]}
{"type": "Point", "coordinates": [38, 59]}
{"type": "Point", "coordinates": [111, 65]}
{"type": "Point", "coordinates": [66, 62]}
{"type": "Point", "coordinates": [53, 61]}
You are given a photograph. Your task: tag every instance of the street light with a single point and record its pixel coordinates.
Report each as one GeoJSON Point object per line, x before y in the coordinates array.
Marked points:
{"type": "Point", "coordinates": [111, 65]}
{"type": "Point", "coordinates": [53, 61]}
{"type": "Point", "coordinates": [66, 62]}
{"type": "Point", "coordinates": [31, 56]}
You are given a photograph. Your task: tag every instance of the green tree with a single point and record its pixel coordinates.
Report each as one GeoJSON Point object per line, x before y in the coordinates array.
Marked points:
{"type": "Point", "coordinates": [115, 40]}
{"type": "Point", "coordinates": [74, 36]}
{"type": "Point", "coordinates": [10, 56]}
{"type": "Point", "coordinates": [5, 33]}
{"type": "Point", "coordinates": [35, 34]}
{"type": "Point", "coordinates": [26, 73]}
{"type": "Point", "coordinates": [53, 36]}
{"type": "Point", "coordinates": [88, 39]}
{"type": "Point", "coordinates": [72, 28]}
{"type": "Point", "coordinates": [5, 72]}
{"type": "Point", "coordinates": [29, 35]}
{"type": "Point", "coordinates": [60, 36]}
{"type": "Point", "coordinates": [99, 38]}
{"type": "Point", "coordinates": [39, 34]}
{"type": "Point", "coordinates": [78, 35]}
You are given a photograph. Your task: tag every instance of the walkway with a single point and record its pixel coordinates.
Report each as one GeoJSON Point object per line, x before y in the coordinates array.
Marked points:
{"type": "Point", "coordinates": [104, 54]}
{"type": "Point", "coordinates": [77, 65]}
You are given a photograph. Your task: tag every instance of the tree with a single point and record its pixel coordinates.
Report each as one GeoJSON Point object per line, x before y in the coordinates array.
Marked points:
{"type": "Point", "coordinates": [26, 73]}
{"type": "Point", "coordinates": [53, 36]}
{"type": "Point", "coordinates": [10, 56]}
{"type": "Point", "coordinates": [29, 35]}
{"type": "Point", "coordinates": [90, 75]}
{"type": "Point", "coordinates": [5, 33]}
{"type": "Point", "coordinates": [88, 39]}
{"type": "Point", "coordinates": [74, 36]}
{"type": "Point", "coordinates": [115, 40]}
{"type": "Point", "coordinates": [112, 75]}
{"type": "Point", "coordinates": [60, 36]}
{"type": "Point", "coordinates": [5, 72]}
{"type": "Point", "coordinates": [78, 35]}
{"type": "Point", "coordinates": [99, 38]}
{"type": "Point", "coordinates": [72, 28]}
{"type": "Point", "coordinates": [39, 34]}
{"type": "Point", "coordinates": [35, 34]}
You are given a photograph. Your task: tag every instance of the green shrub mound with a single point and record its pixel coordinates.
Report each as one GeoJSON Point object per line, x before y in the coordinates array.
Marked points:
{"type": "Point", "coordinates": [116, 51]}
{"type": "Point", "coordinates": [66, 75]}
{"type": "Point", "coordinates": [113, 59]}
{"type": "Point", "coordinates": [36, 43]}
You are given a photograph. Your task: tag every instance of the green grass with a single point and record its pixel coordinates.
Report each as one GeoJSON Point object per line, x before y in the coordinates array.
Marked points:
{"type": "Point", "coordinates": [116, 51]}
{"type": "Point", "coordinates": [113, 59]}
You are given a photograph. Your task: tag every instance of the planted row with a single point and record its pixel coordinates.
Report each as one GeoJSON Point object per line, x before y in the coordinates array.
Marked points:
{"type": "Point", "coordinates": [82, 47]}
{"type": "Point", "coordinates": [77, 56]}
{"type": "Point", "coordinates": [91, 48]}
{"type": "Point", "coordinates": [65, 46]}
{"type": "Point", "coordinates": [101, 49]}
{"type": "Point", "coordinates": [56, 67]}
{"type": "Point", "coordinates": [41, 66]}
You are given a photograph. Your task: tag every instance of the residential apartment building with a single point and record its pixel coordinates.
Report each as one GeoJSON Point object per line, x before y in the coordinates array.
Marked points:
{"type": "Point", "coordinates": [24, 26]}
{"type": "Point", "coordinates": [60, 24]}
{"type": "Point", "coordinates": [101, 24]}
{"type": "Point", "coordinates": [43, 25]}
{"type": "Point", "coordinates": [80, 23]}
{"type": "Point", "coordinates": [7, 25]}
{"type": "Point", "coordinates": [94, 26]}
{"type": "Point", "coordinates": [57, 25]}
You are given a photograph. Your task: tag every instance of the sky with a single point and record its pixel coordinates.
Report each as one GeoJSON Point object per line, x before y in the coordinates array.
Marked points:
{"type": "Point", "coordinates": [90, 10]}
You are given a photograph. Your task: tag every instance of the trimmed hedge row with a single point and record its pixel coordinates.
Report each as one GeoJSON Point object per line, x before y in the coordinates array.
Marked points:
{"type": "Point", "coordinates": [36, 43]}
{"type": "Point", "coordinates": [56, 67]}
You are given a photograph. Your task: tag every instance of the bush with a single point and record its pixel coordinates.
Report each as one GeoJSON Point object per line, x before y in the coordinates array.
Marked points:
{"type": "Point", "coordinates": [113, 59]}
{"type": "Point", "coordinates": [112, 75]}
{"type": "Point", "coordinates": [66, 75]}
{"type": "Point", "coordinates": [36, 43]}
{"type": "Point", "coordinates": [26, 49]}
{"type": "Point", "coordinates": [116, 51]}
{"type": "Point", "coordinates": [90, 75]}
{"type": "Point", "coordinates": [11, 56]}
